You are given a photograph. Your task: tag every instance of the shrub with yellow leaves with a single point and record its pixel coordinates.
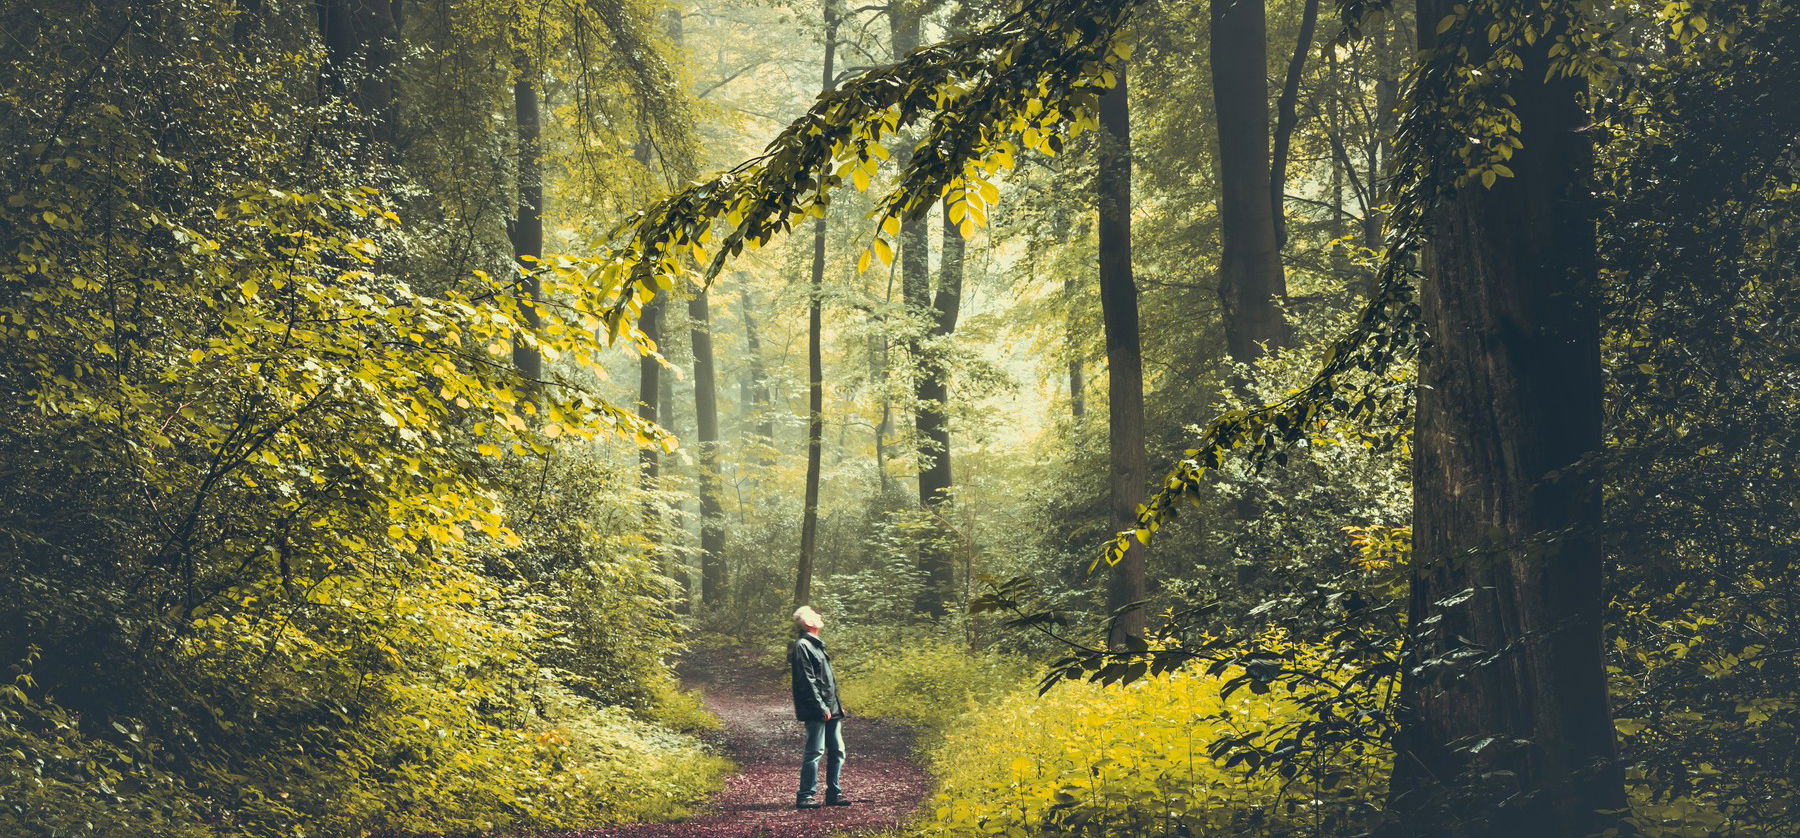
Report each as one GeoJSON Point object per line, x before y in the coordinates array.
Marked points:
{"type": "Point", "coordinates": [1141, 759]}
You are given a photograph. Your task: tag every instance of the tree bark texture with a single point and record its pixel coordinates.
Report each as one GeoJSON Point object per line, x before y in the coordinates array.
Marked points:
{"type": "Point", "coordinates": [1124, 359]}
{"type": "Point", "coordinates": [1505, 669]}
{"type": "Point", "coordinates": [1250, 275]}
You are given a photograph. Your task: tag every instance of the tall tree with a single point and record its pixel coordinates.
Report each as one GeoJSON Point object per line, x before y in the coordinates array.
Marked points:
{"type": "Point", "coordinates": [649, 388]}
{"type": "Point", "coordinates": [1505, 673]}
{"type": "Point", "coordinates": [527, 227]}
{"type": "Point", "coordinates": [756, 379]}
{"type": "Point", "coordinates": [1077, 371]}
{"type": "Point", "coordinates": [649, 367]}
{"type": "Point", "coordinates": [706, 429]}
{"type": "Point", "coordinates": [929, 321]}
{"type": "Point", "coordinates": [931, 390]}
{"type": "Point", "coordinates": [815, 357]}
{"type": "Point", "coordinates": [706, 420]}
{"type": "Point", "coordinates": [1287, 118]}
{"type": "Point", "coordinates": [1124, 359]}
{"type": "Point", "coordinates": [1250, 274]}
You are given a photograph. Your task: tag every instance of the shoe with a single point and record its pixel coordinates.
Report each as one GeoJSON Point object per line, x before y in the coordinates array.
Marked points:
{"type": "Point", "coordinates": [807, 803]}
{"type": "Point", "coordinates": [836, 800]}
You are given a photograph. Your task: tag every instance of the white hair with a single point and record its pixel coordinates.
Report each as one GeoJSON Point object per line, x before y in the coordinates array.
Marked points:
{"type": "Point", "coordinates": [805, 617]}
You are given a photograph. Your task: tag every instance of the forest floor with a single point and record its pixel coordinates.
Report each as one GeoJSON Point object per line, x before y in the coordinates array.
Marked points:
{"type": "Point", "coordinates": [760, 734]}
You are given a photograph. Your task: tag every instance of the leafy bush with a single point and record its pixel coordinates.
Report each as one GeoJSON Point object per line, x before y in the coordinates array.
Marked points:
{"type": "Point", "coordinates": [54, 780]}
{"type": "Point", "coordinates": [288, 547]}
{"type": "Point", "coordinates": [1089, 760]}
{"type": "Point", "coordinates": [931, 683]}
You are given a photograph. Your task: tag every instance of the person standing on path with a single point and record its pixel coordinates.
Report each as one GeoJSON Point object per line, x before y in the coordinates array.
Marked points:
{"type": "Point", "coordinates": [816, 703]}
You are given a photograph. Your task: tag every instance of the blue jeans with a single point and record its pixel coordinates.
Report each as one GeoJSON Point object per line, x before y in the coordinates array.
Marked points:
{"type": "Point", "coordinates": [822, 738]}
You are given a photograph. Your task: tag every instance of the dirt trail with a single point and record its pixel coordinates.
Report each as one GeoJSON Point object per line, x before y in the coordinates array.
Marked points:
{"type": "Point", "coordinates": [762, 736]}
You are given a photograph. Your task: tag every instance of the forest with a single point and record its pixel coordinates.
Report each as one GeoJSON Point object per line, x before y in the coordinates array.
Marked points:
{"type": "Point", "coordinates": [1191, 418]}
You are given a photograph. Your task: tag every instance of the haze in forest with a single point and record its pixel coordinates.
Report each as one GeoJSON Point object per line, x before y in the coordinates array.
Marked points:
{"type": "Point", "coordinates": [1226, 418]}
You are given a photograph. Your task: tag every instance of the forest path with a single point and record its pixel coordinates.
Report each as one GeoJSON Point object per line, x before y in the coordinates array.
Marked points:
{"type": "Point", "coordinates": [762, 737]}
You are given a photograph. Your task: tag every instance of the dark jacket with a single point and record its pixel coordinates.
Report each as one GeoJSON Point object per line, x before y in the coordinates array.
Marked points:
{"type": "Point", "coordinates": [815, 688]}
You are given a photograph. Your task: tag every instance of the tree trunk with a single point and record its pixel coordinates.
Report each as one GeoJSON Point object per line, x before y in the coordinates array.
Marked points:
{"type": "Point", "coordinates": [1077, 373]}
{"type": "Point", "coordinates": [932, 394]}
{"type": "Point", "coordinates": [1287, 117]}
{"type": "Point", "coordinates": [1124, 360]}
{"type": "Point", "coordinates": [669, 395]}
{"type": "Point", "coordinates": [649, 387]}
{"type": "Point", "coordinates": [527, 228]}
{"type": "Point", "coordinates": [1334, 113]}
{"type": "Point", "coordinates": [706, 422]}
{"type": "Point", "coordinates": [878, 373]}
{"type": "Point", "coordinates": [362, 47]}
{"type": "Point", "coordinates": [905, 20]}
{"type": "Point", "coordinates": [815, 362]}
{"type": "Point", "coordinates": [1250, 276]}
{"type": "Point", "coordinates": [650, 383]}
{"type": "Point", "coordinates": [756, 393]}
{"type": "Point", "coordinates": [815, 419]}
{"type": "Point", "coordinates": [1387, 102]}
{"type": "Point", "coordinates": [1505, 669]}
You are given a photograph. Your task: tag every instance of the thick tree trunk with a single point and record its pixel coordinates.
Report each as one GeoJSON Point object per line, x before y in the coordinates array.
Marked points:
{"type": "Point", "coordinates": [1250, 276]}
{"type": "Point", "coordinates": [815, 362]}
{"type": "Point", "coordinates": [706, 422]}
{"type": "Point", "coordinates": [527, 228]}
{"type": "Point", "coordinates": [1287, 118]}
{"type": "Point", "coordinates": [1505, 684]}
{"type": "Point", "coordinates": [362, 49]}
{"type": "Point", "coordinates": [1124, 359]}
